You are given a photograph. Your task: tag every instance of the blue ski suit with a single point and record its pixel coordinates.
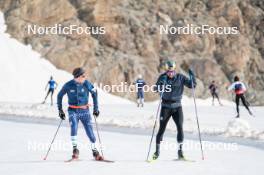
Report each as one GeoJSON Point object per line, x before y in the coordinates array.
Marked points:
{"type": "Point", "coordinates": [52, 84]}
{"type": "Point", "coordinates": [78, 95]}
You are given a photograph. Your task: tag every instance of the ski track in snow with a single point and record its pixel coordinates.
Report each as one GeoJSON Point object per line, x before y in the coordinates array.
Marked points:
{"type": "Point", "coordinates": [214, 120]}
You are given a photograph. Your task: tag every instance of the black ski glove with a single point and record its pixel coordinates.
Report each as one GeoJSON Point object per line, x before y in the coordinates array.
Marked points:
{"type": "Point", "coordinates": [96, 113]}
{"type": "Point", "coordinates": [61, 114]}
{"type": "Point", "coordinates": [192, 77]}
{"type": "Point", "coordinates": [191, 74]}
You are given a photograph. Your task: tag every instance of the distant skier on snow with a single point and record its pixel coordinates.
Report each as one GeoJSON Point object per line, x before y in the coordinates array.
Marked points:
{"type": "Point", "coordinates": [140, 83]}
{"type": "Point", "coordinates": [78, 91]}
{"type": "Point", "coordinates": [52, 86]}
{"type": "Point", "coordinates": [171, 104]}
{"type": "Point", "coordinates": [239, 88]}
{"type": "Point", "coordinates": [213, 89]}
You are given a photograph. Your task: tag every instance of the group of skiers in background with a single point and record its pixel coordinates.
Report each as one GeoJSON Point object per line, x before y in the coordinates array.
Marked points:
{"type": "Point", "coordinates": [239, 89]}
{"type": "Point", "coordinates": [79, 88]}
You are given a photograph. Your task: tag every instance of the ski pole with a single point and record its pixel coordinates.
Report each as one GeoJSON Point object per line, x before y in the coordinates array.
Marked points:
{"type": "Point", "coordinates": [197, 120]}
{"type": "Point", "coordinates": [99, 139]}
{"type": "Point", "coordinates": [154, 127]}
{"type": "Point", "coordinates": [52, 140]}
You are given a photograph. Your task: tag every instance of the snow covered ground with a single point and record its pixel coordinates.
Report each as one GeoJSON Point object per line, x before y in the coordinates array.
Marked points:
{"type": "Point", "coordinates": [22, 152]}
{"type": "Point", "coordinates": [216, 120]}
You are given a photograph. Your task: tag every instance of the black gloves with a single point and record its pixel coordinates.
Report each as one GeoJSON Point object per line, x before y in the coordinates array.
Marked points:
{"type": "Point", "coordinates": [61, 114]}
{"type": "Point", "coordinates": [192, 77]}
{"type": "Point", "coordinates": [96, 113]}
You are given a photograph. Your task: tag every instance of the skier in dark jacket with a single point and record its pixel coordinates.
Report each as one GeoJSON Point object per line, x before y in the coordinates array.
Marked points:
{"type": "Point", "coordinates": [52, 86]}
{"type": "Point", "coordinates": [140, 83]}
{"type": "Point", "coordinates": [239, 88]}
{"type": "Point", "coordinates": [171, 104]}
{"type": "Point", "coordinates": [78, 91]}
{"type": "Point", "coordinates": [213, 89]}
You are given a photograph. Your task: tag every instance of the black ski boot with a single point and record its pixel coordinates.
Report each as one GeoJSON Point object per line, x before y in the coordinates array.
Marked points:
{"type": "Point", "coordinates": [180, 154]}
{"type": "Point", "coordinates": [237, 116]}
{"type": "Point", "coordinates": [75, 153]}
{"type": "Point", "coordinates": [157, 153]}
{"type": "Point", "coordinates": [96, 154]}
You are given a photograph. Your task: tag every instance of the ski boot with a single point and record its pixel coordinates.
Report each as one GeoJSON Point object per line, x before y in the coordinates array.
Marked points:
{"type": "Point", "coordinates": [156, 155]}
{"type": "Point", "coordinates": [96, 155]}
{"type": "Point", "coordinates": [237, 116]}
{"type": "Point", "coordinates": [75, 153]}
{"type": "Point", "coordinates": [250, 113]}
{"type": "Point", "coordinates": [180, 154]}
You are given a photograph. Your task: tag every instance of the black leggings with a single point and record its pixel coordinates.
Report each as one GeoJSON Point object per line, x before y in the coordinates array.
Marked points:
{"type": "Point", "coordinates": [238, 97]}
{"type": "Point", "coordinates": [50, 91]}
{"type": "Point", "coordinates": [165, 115]}
{"type": "Point", "coordinates": [215, 95]}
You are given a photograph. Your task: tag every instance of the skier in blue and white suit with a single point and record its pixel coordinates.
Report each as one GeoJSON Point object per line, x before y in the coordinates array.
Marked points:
{"type": "Point", "coordinates": [78, 91]}
{"type": "Point", "coordinates": [52, 86]}
{"type": "Point", "coordinates": [140, 83]}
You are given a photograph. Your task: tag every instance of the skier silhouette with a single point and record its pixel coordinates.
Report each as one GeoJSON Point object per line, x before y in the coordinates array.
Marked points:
{"type": "Point", "coordinates": [52, 86]}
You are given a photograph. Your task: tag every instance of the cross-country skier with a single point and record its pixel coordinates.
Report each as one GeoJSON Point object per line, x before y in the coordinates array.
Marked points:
{"type": "Point", "coordinates": [140, 83]}
{"type": "Point", "coordinates": [52, 86]}
{"type": "Point", "coordinates": [213, 89]}
{"type": "Point", "coordinates": [239, 88]}
{"type": "Point", "coordinates": [78, 91]}
{"type": "Point", "coordinates": [171, 104]}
